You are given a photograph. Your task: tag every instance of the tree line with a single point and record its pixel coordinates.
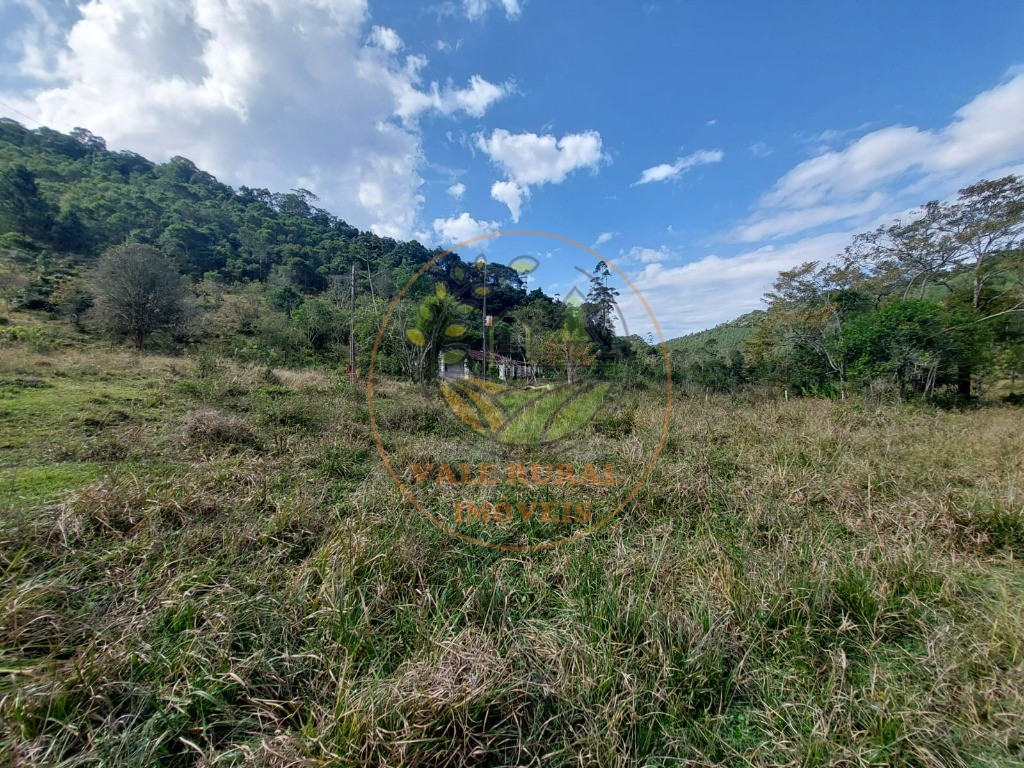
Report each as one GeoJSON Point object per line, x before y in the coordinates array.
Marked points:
{"type": "Point", "coordinates": [918, 307]}
{"type": "Point", "coordinates": [929, 307]}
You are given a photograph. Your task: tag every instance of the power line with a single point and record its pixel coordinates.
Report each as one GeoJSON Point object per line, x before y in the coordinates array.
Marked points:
{"type": "Point", "coordinates": [19, 112]}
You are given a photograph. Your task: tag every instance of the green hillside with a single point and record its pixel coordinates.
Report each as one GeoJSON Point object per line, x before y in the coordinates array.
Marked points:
{"type": "Point", "coordinates": [726, 338]}
{"type": "Point", "coordinates": [269, 275]}
{"type": "Point", "coordinates": [75, 198]}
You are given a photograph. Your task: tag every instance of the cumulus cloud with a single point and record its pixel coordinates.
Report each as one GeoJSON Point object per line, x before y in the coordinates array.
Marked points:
{"type": "Point", "coordinates": [669, 171]}
{"type": "Point", "coordinates": [529, 159]}
{"type": "Point", "coordinates": [604, 237]}
{"type": "Point", "coordinates": [896, 163]}
{"type": "Point", "coordinates": [463, 227]}
{"type": "Point", "coordinates": [474, 99]}
{"type": "Point", "coordinates": [262, 93]}
{"type": "Point", "coordinates": [477, 9]}
{"type": "Point", "coordinates": [511, 194]}
{"type": "Point", "coordinates": [457, 190]}
{"type": "Point", "coordinates": [386, 38]}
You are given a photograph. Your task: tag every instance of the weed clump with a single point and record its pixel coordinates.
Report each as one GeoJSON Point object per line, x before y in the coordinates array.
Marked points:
{"type": "Point", "coordinates": [209, 428]}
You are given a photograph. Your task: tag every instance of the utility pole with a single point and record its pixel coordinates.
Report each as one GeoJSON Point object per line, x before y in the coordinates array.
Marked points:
{"type": "Point", "coordinates": [352, 325]}
{"type": "Point", "coordinates": [484, 261]}
{"type": "Point", "coordinates": [604, 282]}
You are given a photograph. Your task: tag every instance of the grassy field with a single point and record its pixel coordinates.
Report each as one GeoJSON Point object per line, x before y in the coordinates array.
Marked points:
{"type": "Point", "coordinates": [205, 565]}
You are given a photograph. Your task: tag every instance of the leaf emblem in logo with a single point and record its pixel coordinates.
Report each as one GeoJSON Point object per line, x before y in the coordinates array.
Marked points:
{"type": "Point", "coordinates": [523, 417]}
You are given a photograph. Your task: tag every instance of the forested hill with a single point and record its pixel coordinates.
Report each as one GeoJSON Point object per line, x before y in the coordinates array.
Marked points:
{"type": "Point", "coordinates": [725, 339]}
{"type": "Point", "coordinates": [79, 198]}
{"type": "Point", "coordinates": [269, 275]}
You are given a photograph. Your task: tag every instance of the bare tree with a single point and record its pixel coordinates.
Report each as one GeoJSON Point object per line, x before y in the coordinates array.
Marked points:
{"type": "Point", "coordinates": [904, 258]}
{"type": "Point", "coordinates": [987, 222]}
{"type": "Point", "coordinates": [138, 292]}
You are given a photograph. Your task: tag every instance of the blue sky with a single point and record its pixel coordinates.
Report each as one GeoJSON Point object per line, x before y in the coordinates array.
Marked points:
{"type": "Point", "coordinates": [701, 147]}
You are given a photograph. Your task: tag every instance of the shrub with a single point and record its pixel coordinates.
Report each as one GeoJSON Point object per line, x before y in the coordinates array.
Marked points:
{"type": "Point", "coordinates": [138, 292]}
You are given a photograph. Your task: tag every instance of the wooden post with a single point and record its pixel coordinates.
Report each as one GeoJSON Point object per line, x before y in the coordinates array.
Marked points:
{"type": "Point", "coordinates": [352, 374]}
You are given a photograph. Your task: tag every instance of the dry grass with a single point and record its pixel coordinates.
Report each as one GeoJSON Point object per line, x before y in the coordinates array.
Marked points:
{"type": "Point", "coordinates": [210, 428]}
{"type": "Point", "coordinates": [799, 583]}
{"type": "Point", "coordinates": [309, 379]}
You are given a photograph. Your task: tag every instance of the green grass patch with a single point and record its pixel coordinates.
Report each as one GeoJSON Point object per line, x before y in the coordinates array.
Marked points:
{"type": "Point", "coordinates": [33, 486]}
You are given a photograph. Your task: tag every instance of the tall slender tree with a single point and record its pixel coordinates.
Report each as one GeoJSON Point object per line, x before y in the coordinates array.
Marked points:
{"type": "Point", "coordinates": [600, 305]}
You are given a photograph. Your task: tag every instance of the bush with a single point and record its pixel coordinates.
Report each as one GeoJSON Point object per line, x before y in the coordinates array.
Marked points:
{"type": "Point", "coordinates": [20, 248]}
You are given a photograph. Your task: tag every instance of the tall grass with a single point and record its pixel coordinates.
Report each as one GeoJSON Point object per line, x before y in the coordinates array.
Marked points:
{"type": "Point", "coordinates": [798, 583]}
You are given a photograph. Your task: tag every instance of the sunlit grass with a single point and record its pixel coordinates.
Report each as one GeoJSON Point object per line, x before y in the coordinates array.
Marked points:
{"type": "Point", "coordinates": [798, 583]}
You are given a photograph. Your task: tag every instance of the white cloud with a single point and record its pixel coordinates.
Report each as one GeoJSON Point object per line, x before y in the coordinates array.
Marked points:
{"type": "Point", "coordinates": [477, 9]}
{"type": "Point", "coordinates": [474, 99]}
{"type": "Point", "coordinates": [480, 94]}
{"type": "Point", "coordinates": [456, 191]}
{"type": "Point", "coordinates": [463, 227]}
{"type": "Point", "coordinates": [604, 237]}
{"type": "Point", "coordinates": [801, 219]}
{"type": "Point", "coordinates": [386, 38]}
{"type": "Point", "coordinates": [34, 42]}
{"type": "Point", "coordinates": [638, 254]}
{"type": "Point", "coordinates": [691, 297]}
{"type": "Point", "coordinates": [262, 93]}
{"type": "Point", "coordinates": [668, 171]}
{"type": "Point", "coordinates": [529, 159]}
{"type": "Point", "coordinates": [511, 194]}
{"type": "Point", "coordinates": [897, 165]}
{"type": "Point", "coordinates": [836, 175]}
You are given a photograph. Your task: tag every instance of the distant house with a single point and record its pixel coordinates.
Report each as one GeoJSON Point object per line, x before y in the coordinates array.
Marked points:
{"type": "Point", "coordinates": [452, 371]}
{"type": "Point", "coordinates": [508, 368]}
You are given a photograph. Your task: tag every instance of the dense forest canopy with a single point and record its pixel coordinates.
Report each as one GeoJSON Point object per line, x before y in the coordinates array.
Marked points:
{"type": "Point", "coordinates": [927, 307]}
